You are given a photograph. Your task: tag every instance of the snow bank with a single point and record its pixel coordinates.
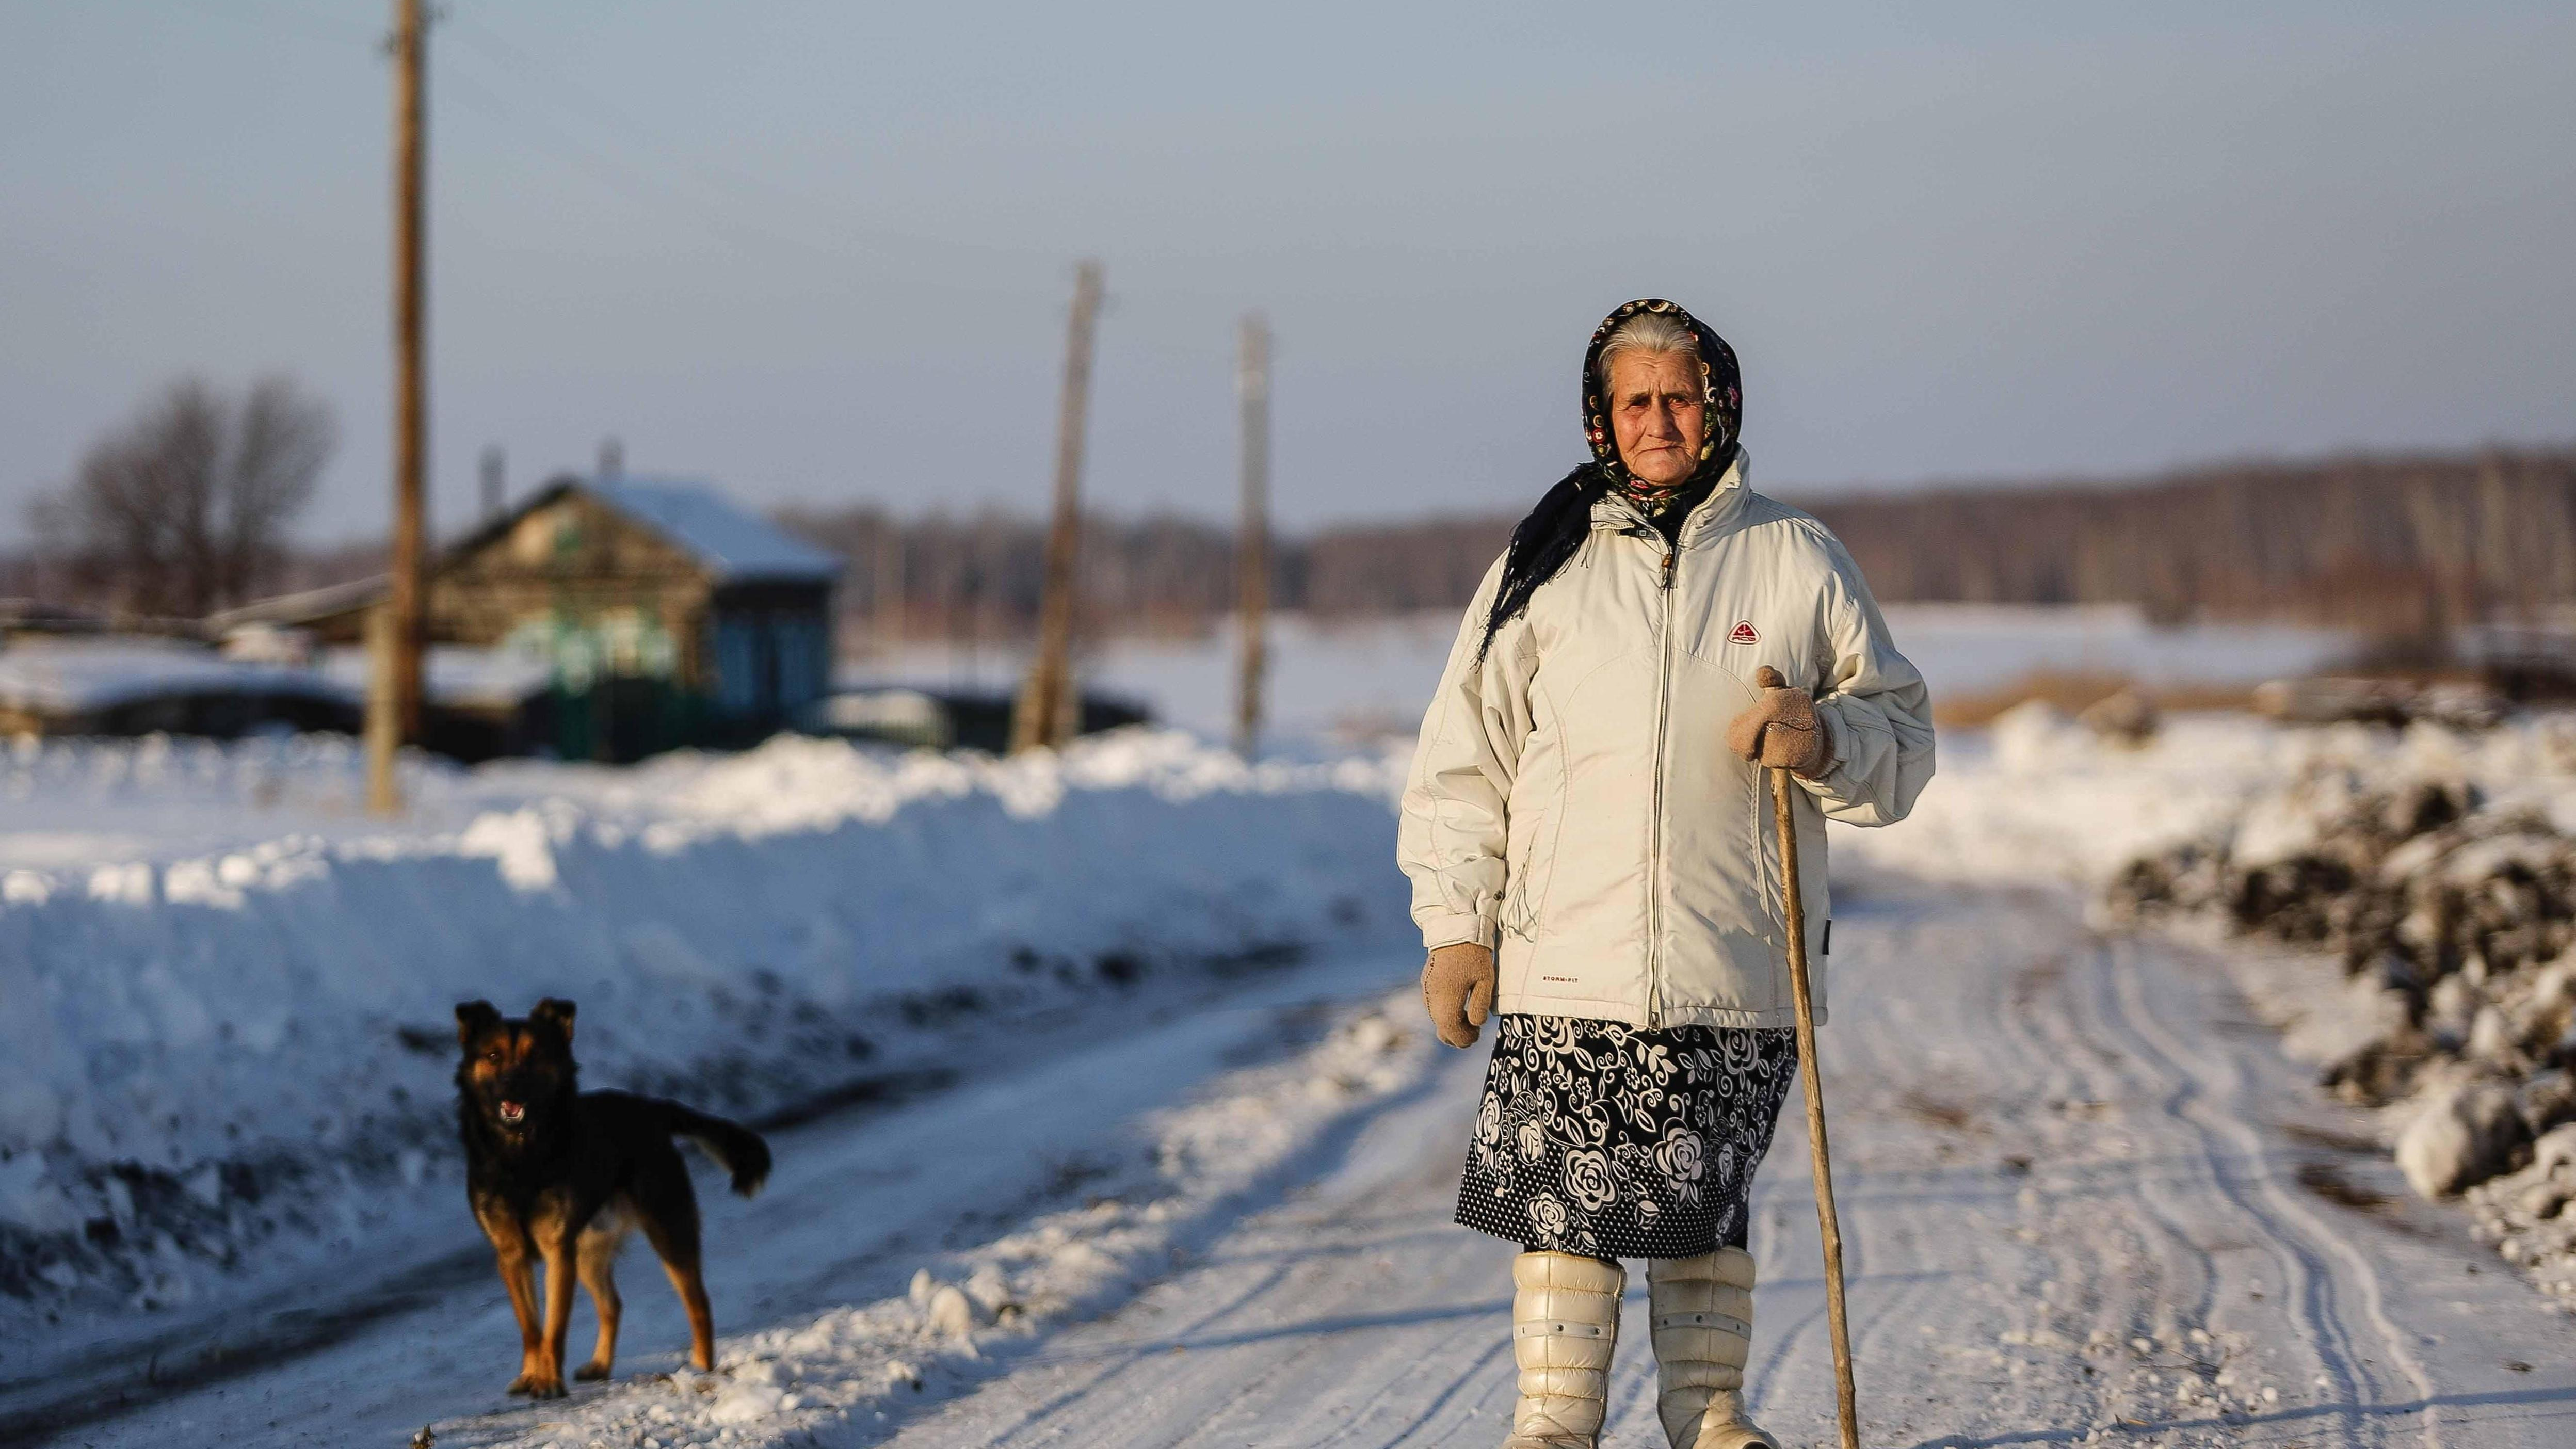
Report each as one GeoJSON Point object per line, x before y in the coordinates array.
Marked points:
{"type": "Point", "coordinates": [68, 806]}
{"type": "Point", "coordinates": [206, 1054]}
{"type": "Point", "coordinates": [2039, 796]}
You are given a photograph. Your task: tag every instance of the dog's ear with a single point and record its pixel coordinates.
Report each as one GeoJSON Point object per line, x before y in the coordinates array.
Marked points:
{"type": "Point", "coordinates": [474, 1016]}
{"type": "Point", "coordinates": [555, 1012]}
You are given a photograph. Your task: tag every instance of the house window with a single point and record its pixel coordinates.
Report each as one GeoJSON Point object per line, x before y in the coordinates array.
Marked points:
{"type": "Point", "coordinates": [770, 662]}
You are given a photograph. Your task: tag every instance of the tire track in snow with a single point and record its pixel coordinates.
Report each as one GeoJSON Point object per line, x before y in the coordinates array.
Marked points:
{"type": "Point", "coordinates": [2196, 1169]}
{"type": "Point", "coordinates": [1215, 1313]}
{"type": "Point", "coordinates": [1477, 1366]}
{"type": "Point", "coordinates": [2200, 1165]}
{"type": "Point", "coordinates": [1783, 1227]}
{"type": "Point", "coordinates": [2321, 1293]}
{"type": "Point", "coordinates": [2123, 991]}
{"type": "Point", "coordinates": [2079, 1075]}
{"type": "Point", "coordinates": [2042, 1060]}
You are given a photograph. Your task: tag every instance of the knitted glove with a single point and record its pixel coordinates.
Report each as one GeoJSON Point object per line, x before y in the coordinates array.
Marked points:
{"type": "Point", "coordinates": [1458, 988]}
{"type": "Point", "coordinates": [1781, 730]}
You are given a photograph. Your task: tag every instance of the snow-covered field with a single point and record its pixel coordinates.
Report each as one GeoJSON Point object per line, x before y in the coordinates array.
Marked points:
{"type": "Point", "coordinates": [1361, 679]}
{"type": "Point", "coordinates": [2088, 1194]}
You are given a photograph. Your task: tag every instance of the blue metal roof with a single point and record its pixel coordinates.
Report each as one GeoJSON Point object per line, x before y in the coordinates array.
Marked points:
{"type": "Point", "coordinates": [737, 546]}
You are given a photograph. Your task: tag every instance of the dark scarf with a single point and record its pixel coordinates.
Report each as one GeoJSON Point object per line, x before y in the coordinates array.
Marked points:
{"type": "Point", "coordinates": [1546, 541]}
{"type": "Point", "coordinates": [1668, 508]}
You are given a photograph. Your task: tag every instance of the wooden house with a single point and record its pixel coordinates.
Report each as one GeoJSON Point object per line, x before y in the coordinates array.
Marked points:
{"type": "Point", "coordinates": [663, 614]}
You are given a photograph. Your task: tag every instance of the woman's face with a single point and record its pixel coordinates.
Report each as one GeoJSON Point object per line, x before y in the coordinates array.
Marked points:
{"type": "Point", "coordinates": [1659, 414]}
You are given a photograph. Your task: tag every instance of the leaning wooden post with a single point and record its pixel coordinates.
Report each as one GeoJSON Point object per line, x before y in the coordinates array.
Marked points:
{"type": "Point", "coordinates": [384, 713]}
{"type": "Point", "coordinates": [1047, 712]}
{"type": "Point", "coordinates": [1252, 543]}
{"type": "Point", "coordinates": [1847, 1404]}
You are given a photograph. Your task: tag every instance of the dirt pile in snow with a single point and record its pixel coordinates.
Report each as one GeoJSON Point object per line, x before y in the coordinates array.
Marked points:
{"type": "Point", "coordinates": [2455, 918]}
{"type": "Point", "coordinates": [2525, 1213]}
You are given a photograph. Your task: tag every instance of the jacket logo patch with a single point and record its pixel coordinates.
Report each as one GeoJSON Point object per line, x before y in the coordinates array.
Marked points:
{"type": "Point", "coordinates": [1744, 633]}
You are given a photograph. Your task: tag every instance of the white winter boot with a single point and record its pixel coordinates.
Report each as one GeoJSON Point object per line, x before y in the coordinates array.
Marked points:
{"type": "Point", "coordinates": [1565, 1322]}
{"type": "Point", "coordinates": [1703, 1315]}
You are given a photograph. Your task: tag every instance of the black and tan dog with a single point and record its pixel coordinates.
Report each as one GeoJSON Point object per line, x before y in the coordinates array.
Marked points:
{"type": "Point", "coordinates": [562, 1175]}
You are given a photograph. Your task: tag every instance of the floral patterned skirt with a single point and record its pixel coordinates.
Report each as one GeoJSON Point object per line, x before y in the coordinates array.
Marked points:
{"type": "Point", "coordinates": [1623, 1141]}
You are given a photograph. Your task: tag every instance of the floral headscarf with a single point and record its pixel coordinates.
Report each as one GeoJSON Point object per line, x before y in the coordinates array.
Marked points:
{"type": "Point", "coordinates": [1717, 370]}
{"type": "Point", "coordinates": [1547, 539]}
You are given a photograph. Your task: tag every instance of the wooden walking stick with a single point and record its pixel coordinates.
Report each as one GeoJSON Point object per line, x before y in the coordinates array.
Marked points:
{"type": "Point", "coordinates": [1847, 1404]}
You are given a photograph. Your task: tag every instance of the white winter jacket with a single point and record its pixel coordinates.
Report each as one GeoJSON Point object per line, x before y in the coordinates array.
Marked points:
{"type": "Point", "coordinates": [1572, 801]}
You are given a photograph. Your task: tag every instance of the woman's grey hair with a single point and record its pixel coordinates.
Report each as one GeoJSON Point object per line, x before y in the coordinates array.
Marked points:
{"type": "Point", "coordinates": [1647, 332]}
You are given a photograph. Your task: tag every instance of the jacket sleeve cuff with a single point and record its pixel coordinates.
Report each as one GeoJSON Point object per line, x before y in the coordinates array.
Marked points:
{"type": "Point", "coordinates": [1835, 780]}
{"type": "Point", "coordinates": [1443, 929]}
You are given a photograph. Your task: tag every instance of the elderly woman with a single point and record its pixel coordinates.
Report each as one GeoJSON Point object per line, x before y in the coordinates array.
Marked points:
{"type": "Point", "coordinates": [1592, 856]}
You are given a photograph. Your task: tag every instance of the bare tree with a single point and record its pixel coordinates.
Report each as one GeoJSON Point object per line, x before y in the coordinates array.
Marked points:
{"type": "Point", "coordinates": [185, 508]}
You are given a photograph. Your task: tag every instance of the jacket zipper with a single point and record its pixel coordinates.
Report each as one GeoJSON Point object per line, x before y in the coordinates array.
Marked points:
{"type": "Point", "coordinates": [1655, 829]}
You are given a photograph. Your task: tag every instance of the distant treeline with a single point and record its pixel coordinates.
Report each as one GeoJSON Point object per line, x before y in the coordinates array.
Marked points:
{"type": "Point", "coordinates": [2391, 545]}
{"type": "Point", "coordinates": [979, 577]}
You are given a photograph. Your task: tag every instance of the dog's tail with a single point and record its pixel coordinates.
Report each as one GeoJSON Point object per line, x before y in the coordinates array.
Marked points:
{"type": "Point", "coordinates": [738, 1149]}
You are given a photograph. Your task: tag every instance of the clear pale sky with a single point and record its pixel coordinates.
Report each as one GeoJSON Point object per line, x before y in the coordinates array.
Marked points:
{"type": "Point", "coordinates": [822, 252]}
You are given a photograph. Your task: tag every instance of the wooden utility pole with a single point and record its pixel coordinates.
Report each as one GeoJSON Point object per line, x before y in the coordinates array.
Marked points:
{"type": "Point", "coordinates": [401, 658]}
{"type": "Point", "coordinates": [1252, 547]}
{"type": "Point", "coordinates": [1046, 711]}
{"type": "Point", "coordinates": [886, 586]}
{"type": "Point", "coordinates": [382, 732]}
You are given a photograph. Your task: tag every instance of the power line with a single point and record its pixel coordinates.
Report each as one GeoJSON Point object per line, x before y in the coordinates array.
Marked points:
{"type": "Point", "coordinates": [637, 183]}
{"type": "Point", "coordinates": [295, 19]}
{"type": "Point", "coordinates": [655, 185]}
{"type": "Point", "coordinates": [731, 208]}
{"type": "Point", "coordinates": [616, 119]}
{"type": "Point", "coordinates": [733, 189]}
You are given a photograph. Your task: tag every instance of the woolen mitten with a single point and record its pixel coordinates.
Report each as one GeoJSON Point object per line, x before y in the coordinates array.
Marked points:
{"type": "Point", "coordinates": [1458, 988]}
{"type": "Point", "coordinates": [1781, 730]}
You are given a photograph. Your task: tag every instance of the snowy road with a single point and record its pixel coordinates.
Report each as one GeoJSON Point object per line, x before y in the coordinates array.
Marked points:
{"type": "Point", "coordinates": [2084, 1195]}
{"type": "Point", "coordinates": [2180, 1190]}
